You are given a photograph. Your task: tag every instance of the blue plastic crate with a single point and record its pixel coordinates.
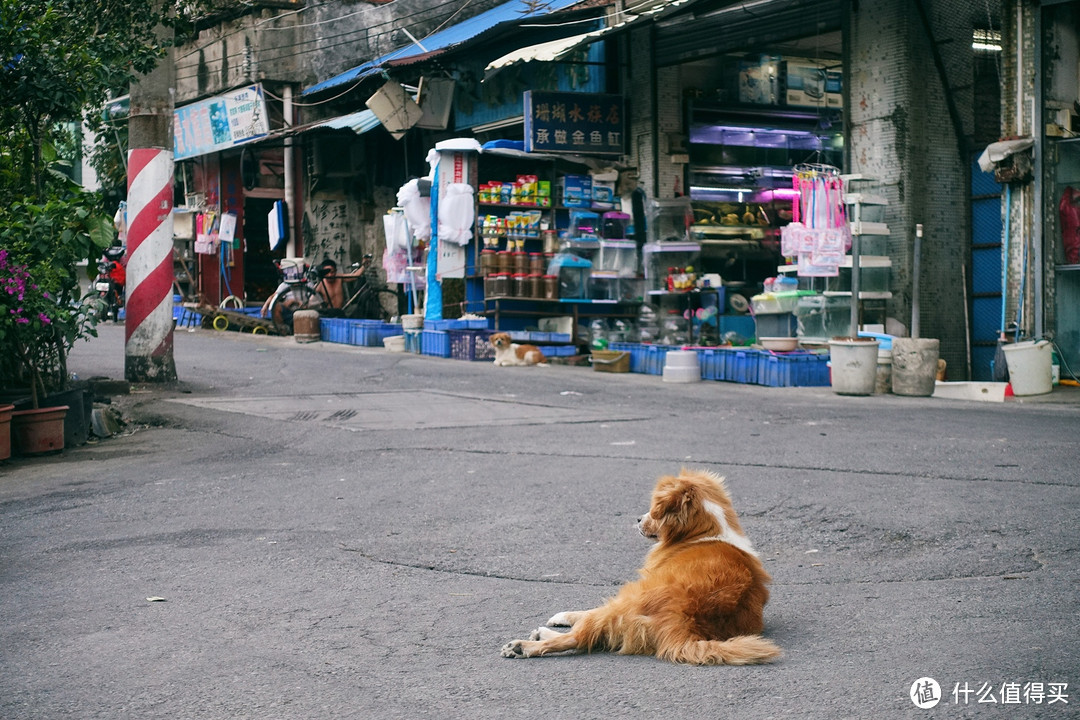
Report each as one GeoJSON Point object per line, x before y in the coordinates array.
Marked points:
{"type": "Point", "coordinates": [335, 330]}
{"type": "Point", "coordinates": [388, 330]}
{"type": "Point", "coordinates": [477, 324]}
{"type": "Point", "coordinates": [742, 367]}
{"type": "Point", "coordinates": [814, 371]}
{"type": "Point", "coordinates": [709, 359]}
{"type": "Point", "coordinates": [470, 345]}
{"type": "Point", "coordinates": [364, 334]}
{"type": "Point", "coordinates": [655, 355]}
{"type": "Point", "coordinates": [437, 324]}
{"type": "Point", "coordinates": [538, 336]}
{"type": "Point", "coordinates": [520, 335]}
{"type": "Point", "coordinates": [435, 343]}
{"type": "Point", "coordinates": [793, 370]}
{"type": "Point", "coordinates": [560, 337]}
{"type": "Point", "coordinates": [560, 350]}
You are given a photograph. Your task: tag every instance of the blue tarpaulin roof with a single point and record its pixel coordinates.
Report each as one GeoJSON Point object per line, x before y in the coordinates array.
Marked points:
{"type": "Point", "coordinates": [455, 34]}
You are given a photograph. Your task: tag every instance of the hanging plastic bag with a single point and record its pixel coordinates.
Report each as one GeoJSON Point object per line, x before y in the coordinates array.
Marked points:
{"type": "Point", "coordinates": [457, 213]}
{"type": "Point", "coordinates": [1069, 212]}
{"type": "Point", "coordinates": [417, 208]}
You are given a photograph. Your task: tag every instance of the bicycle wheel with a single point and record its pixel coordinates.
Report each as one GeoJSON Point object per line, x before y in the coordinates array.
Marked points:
{"type": "Point", "coordinates": [287, 302]}
{"type": "Point", "coordinates": [381, 304]}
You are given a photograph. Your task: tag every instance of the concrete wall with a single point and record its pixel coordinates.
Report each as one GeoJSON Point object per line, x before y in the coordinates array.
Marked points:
{"type": "Point", "coordinates": [902, 136]}
{"type": "Point", "coordinates": [256, 47]}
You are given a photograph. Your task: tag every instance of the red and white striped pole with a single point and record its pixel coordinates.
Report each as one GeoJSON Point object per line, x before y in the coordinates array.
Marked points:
{"type": "Point", "coordinates": [148, 324]}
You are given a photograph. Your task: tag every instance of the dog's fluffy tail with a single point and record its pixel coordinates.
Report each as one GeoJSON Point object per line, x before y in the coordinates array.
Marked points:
{"type": "Point", "coordinates": [740, 650]}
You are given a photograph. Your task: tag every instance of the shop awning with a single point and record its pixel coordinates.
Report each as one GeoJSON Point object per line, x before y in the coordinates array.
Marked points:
{"type": "Point", "coordinates": [508, 13]}
{"type": "Point", "coordinates": [542, 52]}
{"type": "Point", "coordinates": [558, 49]}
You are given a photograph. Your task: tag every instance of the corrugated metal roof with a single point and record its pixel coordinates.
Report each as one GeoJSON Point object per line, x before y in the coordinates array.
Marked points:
{"type": "Point", "coordinates": [358, 122]}
{"type": "Point", "coordinates": [509, 12]}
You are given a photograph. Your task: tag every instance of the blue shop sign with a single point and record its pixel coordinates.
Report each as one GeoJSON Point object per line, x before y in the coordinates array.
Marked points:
{"type": "Point", "coordinates": [569, 122]}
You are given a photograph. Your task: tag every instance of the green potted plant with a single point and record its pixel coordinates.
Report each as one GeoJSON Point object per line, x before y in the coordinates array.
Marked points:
{"type": "Point", "coordinates": [40, 313]}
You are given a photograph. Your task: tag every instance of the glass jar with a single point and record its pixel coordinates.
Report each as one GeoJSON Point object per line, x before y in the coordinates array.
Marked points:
{"type": "Point", "coordinates": [500, 285]}
{"type": "Point", "coordinates": [551, 287]}
{"type": "Point", "coordinates": [551, 240]}
{"type": "Point", "coordinates": [536, 264]}
{"type": "Point", "coordinates": [521, 262]}
{"type": "Point", "coordinates": [520, 285]}
{"type": "Point", "coordinates": [488, 261]}
{"type": "Point", "coordinates": [536, 285]}
{"type": "Point", "coordinates": [503, 262]}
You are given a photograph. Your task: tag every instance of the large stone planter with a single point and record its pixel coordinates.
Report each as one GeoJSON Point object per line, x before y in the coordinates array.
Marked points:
{"type": "Point", "coordinates": [39, 430]}
{"type": "Point", "coordinates": [914, 366]}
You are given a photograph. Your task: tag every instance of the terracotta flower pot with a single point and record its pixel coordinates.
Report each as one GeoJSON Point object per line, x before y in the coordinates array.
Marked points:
{"type": "Point", "coordinates": [5, 431]}
{"type": "Point", "coordinates": [40, 430]}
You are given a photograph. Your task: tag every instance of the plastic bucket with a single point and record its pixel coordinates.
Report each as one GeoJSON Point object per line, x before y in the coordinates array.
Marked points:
{"type": "Point", "coordinates": [1030, 367]}
{"type": "Point", "coordinates": [854, 365]}
{"type": "Point", "coordinates": [681, 366]}
{"type": "Point", "coordinates": [914, 366]}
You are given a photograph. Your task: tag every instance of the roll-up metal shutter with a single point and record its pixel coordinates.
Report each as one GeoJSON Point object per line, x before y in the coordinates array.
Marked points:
{"type": "Point", "coordinates": [713, 28]}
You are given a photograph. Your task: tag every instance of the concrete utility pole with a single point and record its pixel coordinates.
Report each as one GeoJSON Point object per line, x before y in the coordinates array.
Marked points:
{"type": "Point", "coordinates": [148, 324]}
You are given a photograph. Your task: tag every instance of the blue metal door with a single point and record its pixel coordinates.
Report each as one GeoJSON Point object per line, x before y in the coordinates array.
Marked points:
{"type": "Point", "coordinates": [985, 271]}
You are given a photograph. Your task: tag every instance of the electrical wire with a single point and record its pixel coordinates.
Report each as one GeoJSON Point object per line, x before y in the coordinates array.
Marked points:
{"type": "Point", "coordinates": [321, 45]}
{"type": "Point", "coordinates": [392, 22]}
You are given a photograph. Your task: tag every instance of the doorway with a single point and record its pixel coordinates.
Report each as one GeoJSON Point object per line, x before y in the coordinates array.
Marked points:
{"type": "Point", "coordinates": [260, 272]}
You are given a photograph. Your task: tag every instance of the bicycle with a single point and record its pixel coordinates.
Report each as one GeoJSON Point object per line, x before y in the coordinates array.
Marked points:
{"type": "Point", "coordinates": [369, 298]}
{"type": "Point", "coordinates": [298, 291]}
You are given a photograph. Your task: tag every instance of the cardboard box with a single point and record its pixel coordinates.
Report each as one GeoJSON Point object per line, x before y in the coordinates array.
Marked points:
{"type": "Point", "coordinates": [812, 83]}
{"type": "Point", "coordinates": [575, 190]}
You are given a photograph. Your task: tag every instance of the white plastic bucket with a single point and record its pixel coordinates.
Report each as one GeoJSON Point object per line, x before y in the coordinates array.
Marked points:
{"type": "Point", "coordinates": [854, 365]}
{"type": "Point", "coordinates": [681, 366]}
{"type": "Point", "coordinates": [1030, 371]}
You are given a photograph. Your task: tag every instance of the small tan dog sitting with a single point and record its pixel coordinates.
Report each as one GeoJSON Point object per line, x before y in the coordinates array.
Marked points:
{"type": "Point", "coordinates": [509, 353]}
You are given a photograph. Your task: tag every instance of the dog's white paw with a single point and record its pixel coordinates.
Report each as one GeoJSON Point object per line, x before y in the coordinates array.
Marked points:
{"type": "Point", "coordinates": [513, 649]}
{"type": "Point", "coordinates": [544, 633]}
{"type": "Point", "coordinates": [563, 619]}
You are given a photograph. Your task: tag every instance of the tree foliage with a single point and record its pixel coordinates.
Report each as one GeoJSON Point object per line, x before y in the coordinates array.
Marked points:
{"type": "Point", "coordinates": [59, 60]}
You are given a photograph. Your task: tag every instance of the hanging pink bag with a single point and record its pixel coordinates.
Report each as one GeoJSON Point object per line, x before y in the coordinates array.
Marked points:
{"type": "Point", "coordinates": [1069, 211]}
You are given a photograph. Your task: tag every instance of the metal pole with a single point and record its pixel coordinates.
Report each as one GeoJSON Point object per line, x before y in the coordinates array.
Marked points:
{"type": "Point", "coordinates": [915, 282]}
{"type": "Point", "coordinates": [290, 172]}
{"type": "Point", "coordinates": [148, 324]}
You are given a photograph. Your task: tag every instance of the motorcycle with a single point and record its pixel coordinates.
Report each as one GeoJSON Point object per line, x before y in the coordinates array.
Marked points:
{"type": "Point", "coordinates": [108, 287]}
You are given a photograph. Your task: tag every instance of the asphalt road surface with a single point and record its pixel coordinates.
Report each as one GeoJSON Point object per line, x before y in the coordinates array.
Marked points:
{"type": "Point", "coordinates": [317, 531]}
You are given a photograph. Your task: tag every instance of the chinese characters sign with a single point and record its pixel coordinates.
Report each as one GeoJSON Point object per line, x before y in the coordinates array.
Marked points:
{"type": "Point", "coordinates": [220, 122]}
{"type": "Point", "coordinates": [581, 123]}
